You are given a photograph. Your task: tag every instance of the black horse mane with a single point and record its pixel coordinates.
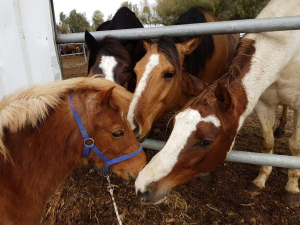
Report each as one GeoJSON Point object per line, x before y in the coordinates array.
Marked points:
{"type": "Point", "coordinates": [195, 62]}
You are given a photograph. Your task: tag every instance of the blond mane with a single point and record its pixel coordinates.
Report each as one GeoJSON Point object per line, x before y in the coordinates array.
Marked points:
{"type": "Point", "coordinates": [30, 105]}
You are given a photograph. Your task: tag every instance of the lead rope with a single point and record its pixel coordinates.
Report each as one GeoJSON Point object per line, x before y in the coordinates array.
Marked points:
{"type": "Point", "coordinates": [110, 189]}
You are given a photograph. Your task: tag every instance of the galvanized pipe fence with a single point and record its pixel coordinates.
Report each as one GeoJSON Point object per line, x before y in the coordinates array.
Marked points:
{"type": "Point", "coordinates": [214, 28]}
{"type": "Point", "coordinates": [224, 27]}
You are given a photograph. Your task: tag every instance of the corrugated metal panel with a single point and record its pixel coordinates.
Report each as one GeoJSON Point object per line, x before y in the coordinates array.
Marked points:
{"type": "Point", "coordinates": [28, 53]}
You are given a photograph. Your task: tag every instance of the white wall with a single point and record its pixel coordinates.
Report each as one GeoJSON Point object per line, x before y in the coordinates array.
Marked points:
{"type": "Point", "coordinates": [27, 47]}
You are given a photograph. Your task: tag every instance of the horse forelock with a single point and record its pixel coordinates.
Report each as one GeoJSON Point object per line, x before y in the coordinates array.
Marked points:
{"type": "Point", "coordinates": [114, 47]}
{"type": "Point", "coordinates": [109, 46]}
{"type": "Point", "coordinates": [166, 45]}
{"type": "Point", "coordinates": [31, 105]}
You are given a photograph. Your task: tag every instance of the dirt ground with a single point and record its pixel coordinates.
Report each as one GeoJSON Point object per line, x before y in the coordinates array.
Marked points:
{"type": "Point", "coordinates": [83, 197]}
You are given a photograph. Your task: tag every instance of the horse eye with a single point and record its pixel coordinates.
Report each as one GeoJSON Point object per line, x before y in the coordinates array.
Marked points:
{"type": "Point", "coordinates": [204, 143]}
{"type": "Point", "coordinates": [169, 75]}
{"type": "Point", "coordinates": [118, 133]}
{"type": "Point", "coordinates": [126, 70]}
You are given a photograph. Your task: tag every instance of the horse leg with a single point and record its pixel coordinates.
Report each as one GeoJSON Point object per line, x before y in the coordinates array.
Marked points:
{"type": "Point", "coordinates": [266, 115]}
{"type": "Point", "coordinates": [291, 194]}
{"type": "Point", "coordinates": [279, 132]}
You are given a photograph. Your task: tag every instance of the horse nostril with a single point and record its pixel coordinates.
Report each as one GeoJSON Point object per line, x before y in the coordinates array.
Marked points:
{"type": "Point", "coordinates": [137, 129]}
{"type": "Point", "coordinates": [144, 196]}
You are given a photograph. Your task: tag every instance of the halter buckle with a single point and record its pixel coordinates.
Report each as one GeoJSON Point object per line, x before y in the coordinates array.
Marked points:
{"type": "Point", "coordinates": [89, 139]}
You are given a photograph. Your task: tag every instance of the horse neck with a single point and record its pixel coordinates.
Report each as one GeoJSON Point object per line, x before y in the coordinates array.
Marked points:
{"type": "Point", "coordinates": [191, 88]}
{"type": "Point", "coordinates": [262, 72]}
{"type": "Point", "coordinates": [43, 156]}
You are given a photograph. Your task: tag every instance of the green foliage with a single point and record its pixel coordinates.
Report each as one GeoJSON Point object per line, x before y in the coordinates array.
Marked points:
{"type": "Point", "coordinates": [109, 17]}
{"type": "Point", "coordinates": [132, 7]}
{"type": "Point", "coordinates": [147, 14]}
{"type": "Point", "coordinates": [168, 11]}
{"type": "Point", "coordinates": [77, 22]}
{"type": "Point", "coordinates": [97, 19]}
{"type": "Point", "coordinates": [62, 29]}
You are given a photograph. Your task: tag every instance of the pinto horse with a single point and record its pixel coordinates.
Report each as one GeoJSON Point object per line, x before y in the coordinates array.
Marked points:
{"type": "Point", "coordinates": [40, 141]}
{"type": "Point", "coordinates": [112, 57]}
{"type": "Point", "coordinates": [170, 72]}
{"type": "Point", "coordinates": [205, 130]}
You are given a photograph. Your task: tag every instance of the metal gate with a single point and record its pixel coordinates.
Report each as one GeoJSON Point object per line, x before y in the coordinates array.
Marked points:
{"type": "Point", "coordinates": [224, 27]}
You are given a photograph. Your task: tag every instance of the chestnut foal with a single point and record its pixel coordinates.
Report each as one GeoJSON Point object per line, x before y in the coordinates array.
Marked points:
{"type": "Point", "coordinates": [205, 130]}
{"type": "Point", "coordinates": [41, 142]}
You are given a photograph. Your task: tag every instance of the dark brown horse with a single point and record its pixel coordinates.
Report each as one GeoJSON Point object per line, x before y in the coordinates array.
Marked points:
{"type": "Point", "coordinates": [115, 58]}
{"type": "Point", "coordinates": [40, 141]}
{"type": "Point", "coordinates": [205, 130]}
{"type": "Point", "coordinates": [170, 72]}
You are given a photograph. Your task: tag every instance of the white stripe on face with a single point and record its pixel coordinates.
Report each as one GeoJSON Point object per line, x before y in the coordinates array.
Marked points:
{"type": "Point", "coordinates": [108, 64]}
{"type": "Point", "coordinates": [153, 61]}
{"type": "Point", "coordinates": [164, 161]}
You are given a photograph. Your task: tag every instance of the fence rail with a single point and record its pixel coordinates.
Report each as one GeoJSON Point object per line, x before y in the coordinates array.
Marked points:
{"type": "Point", "coordinates": [244, 157]}
{"type": "Point", "coordinates": [224, 27]}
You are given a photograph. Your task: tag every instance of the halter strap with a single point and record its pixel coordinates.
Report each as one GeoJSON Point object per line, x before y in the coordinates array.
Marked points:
{"type": "Point", "coordinates": [86, 148]}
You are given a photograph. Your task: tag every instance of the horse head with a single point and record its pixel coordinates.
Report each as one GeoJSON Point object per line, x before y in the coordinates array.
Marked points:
{"type": "Point", "coordinates": [103, 114]}
{"type": "Point", "coordinates": [162, 83]}
{"type": "Point", "coordinates": [110, 58]}
{"type": "Point", "coordinates": [203, 134]}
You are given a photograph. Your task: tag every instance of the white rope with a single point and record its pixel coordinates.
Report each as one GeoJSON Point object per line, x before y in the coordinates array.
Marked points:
{"type": "Point", "coordinates": [110, 189]}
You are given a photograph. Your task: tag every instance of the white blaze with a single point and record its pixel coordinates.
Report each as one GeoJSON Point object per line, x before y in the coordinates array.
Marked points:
{"type": "Point", "coordinates": [108, 64]}
{"type": "Point", "coordinates": [164, 161]}
{"type": "Point", "coordinates": [153, 61]}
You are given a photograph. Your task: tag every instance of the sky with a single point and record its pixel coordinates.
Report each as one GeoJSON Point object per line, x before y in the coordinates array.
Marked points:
{"type": "Point", "coordinates": [107, 7]}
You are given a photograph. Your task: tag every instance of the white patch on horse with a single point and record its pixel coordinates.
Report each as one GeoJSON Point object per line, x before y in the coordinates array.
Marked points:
{"type": "Point", "coordinates": [108, 64]}
{"type": "Point", "coordinates": [163, 162]}
{"type": "Point", "coordinates": [153, 61]}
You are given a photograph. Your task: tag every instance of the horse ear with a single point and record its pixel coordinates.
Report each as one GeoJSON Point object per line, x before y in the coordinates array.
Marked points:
{"type": "Point", "coordinates": [199, 85]}
{"type": "Point", "coordinates": [190, 45]}
{"type": "Point", "coordinates": [147, 44]}
{"type": "Point", "coordinates": [223, 96]}
{"type": "Point", "coordinates": [104, 97]}
{"type": "Point", "coordinates": [90, 40]}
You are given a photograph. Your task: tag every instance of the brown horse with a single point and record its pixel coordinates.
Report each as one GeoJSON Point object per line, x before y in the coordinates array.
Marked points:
{"type": "Point", "coordinates": [170, 72]}
{"type": "Point", "coordinates": [40, 141]}
{"type": "Point", "coordinates": [205, 130]}
{"type": "Point", "coordinates": [115, 58]}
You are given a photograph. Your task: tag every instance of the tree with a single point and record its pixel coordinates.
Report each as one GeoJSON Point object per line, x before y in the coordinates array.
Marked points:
{"type": "Point", "coordinates": [126, 4]}
{"type": "Point", "coordinates": [132, 7]}
{"type": "Point", "coordinates": [97, 19]}
{"type": "Point", "coordinates": [109, 17]}
{"type": "Point", "coordinates": [146, 14]}
{"type": "Point", "coordinates": [77, 22]}
{"type": "Point", "coordinates": [62, 17]}
{"type": "Point", "coordinates": [62, 27]}
{"type": "Point", "coordinates": [167, 11]}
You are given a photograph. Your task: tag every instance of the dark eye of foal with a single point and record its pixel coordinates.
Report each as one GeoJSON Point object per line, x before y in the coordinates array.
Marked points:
{"type": "Point", "coordinates": [169, 75]}
{"type": "Point", "coordinates": [118, 133]}
{"type": "Point", "coordinates": [126, 70]}
{"type": "Point", "coordinates": [204, 143]}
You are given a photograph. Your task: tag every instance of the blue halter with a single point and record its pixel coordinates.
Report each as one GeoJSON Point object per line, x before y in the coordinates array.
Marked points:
{"type": "Point", "coordinates": [86, 149]}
